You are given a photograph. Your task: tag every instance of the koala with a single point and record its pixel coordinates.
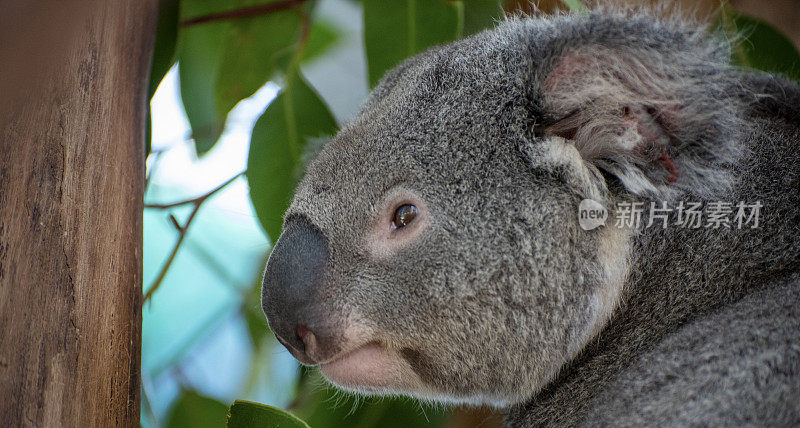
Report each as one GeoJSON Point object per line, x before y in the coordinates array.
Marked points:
{"type": "Point", "coordinates": [434, 247]}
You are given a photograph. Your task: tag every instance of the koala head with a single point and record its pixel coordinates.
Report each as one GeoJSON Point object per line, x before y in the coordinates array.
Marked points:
{"type": "Point", "coordinates": [433, 247]}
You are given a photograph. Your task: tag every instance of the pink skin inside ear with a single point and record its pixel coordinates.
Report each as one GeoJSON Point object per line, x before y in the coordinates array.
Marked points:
{"type": "Point", "coordinates": [654, 122]}
{"type": "Point", "coordinates": [670, 165]}
{"type": "Point", "coordinates": [565, 69]}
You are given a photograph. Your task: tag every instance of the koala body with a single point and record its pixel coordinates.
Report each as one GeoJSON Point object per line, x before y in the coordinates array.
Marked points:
{"type": "Point", "coordinates": [736, 367]}
{"type": "Point", "coordinates": [434, 249]}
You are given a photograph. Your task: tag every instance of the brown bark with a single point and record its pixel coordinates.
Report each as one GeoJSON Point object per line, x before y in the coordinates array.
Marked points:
{"type": "Point", "coordinates": [71, 181]}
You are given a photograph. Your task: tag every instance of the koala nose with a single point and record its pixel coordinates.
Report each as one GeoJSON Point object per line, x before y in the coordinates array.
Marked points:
{"type": "Point", "coordinates": [294, 271]}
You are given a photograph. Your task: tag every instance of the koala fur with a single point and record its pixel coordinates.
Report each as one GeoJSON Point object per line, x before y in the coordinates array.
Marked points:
{"type": "Point", "coordinates": [494, 294]}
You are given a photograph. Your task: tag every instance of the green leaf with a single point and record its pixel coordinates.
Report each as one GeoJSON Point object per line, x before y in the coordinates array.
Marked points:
{"type": "Point", "coordinates": [260, 48]}
{"type": "Point", "coordinates": [163, 57]}
{"type": "Point", "coordinates": [481, 14]}
{"type": "Point", "coordinates": [321, 38]}
{"type": "Point", "coordinates": [254, 49]}
{"type": "Point", "coordinates": [166, 40]}
{"type": "Point", "coordinates": [397, 29]}
{"type": "Point", "coordinates": [192, 410]}
{"type": "Point", "coordinates": [253, 314]}
{"type": "Point", "coordinates": [575, 6]}
{"type": "Point", "coordinates": [200, 50]}
{"type": "Point", "coordinates": [760, 45]}
{"type": "Point", "coordinates": [246, 414]}
{"type": "Point", "coordinates": [374, 413]}
{"type": "Point", "coordinates": [223, 62]}
{"type": "Point", "coordinates": [276, 148]}
{"type": "Point", "coordinates": [148, 133]}
{"type": "Point", "coordinates": [326, 408]}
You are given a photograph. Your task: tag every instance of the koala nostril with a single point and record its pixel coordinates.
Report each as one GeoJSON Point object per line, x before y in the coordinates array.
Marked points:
{"type": "Point", "coordinates": [307, 339]}
{"type": "Point", "coordinates": [301, 332]}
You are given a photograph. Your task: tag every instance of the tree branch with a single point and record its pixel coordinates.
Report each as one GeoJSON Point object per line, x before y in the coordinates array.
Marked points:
{"type": "Point", "coordinates": [199, 199]}
{"type": "Point", "coordinates": [182, 230]}
{"type": "Point", "coordinates": [245, 12]}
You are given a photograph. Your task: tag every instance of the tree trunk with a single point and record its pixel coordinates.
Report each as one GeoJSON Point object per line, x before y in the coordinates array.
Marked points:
{"type": "Point", "coordinates": [73, 79]}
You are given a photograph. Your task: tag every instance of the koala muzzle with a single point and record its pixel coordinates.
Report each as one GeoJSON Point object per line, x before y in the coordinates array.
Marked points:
{"type": "Point", "coordinates": [294, 273]}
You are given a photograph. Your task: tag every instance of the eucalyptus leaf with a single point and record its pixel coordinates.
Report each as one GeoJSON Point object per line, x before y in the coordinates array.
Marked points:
{"type": "Point", "coordinates": [246, 414]}
{"type": "Point", "coordinates": [200, 50]}
{"type": "Point", "coordinates": [326, 408]}
{"type": "Point", "coordinates": [254, 49]}
{"type": "Point", "coordinates": [322, 37]}
{"type": "Point", "coordinates": [163, 57]}
{"type": "Point", "coordinates": [223, 62]}
{"type": "Point", "coordinates": [148, 133]}
{"type": "Point", "coordinates": [397, 29]}
{"type": "Point", "coordinates": [759, 45]}
{"type": "Point", "coordinates": [192, 410]}
{"type": "Point", "coordinates": [164, 47]}
{"type": "Point", "coordinates": [254, 316]}
{"type": "Point", "coordinates": [276, 149]}
{"type": "Point", "coordinates": [481, 14]}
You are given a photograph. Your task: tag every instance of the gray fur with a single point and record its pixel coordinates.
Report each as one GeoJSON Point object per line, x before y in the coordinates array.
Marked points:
{"type": "Point", "coordinates": [736, 367]}
{"type": "Point", "coordinates": [502, 298]}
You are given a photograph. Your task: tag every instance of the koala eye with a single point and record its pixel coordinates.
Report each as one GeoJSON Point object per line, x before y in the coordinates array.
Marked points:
{"type": "Point", "coordinates": [403, 215]}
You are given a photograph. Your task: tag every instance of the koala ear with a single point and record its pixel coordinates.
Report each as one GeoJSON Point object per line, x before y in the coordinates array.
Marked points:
{"type": "Point", "coordinates": [661, 124]}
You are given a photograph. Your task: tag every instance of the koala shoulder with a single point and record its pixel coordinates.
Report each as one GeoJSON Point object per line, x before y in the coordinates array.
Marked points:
{"type": "Point", "coordinates": [739, 366]}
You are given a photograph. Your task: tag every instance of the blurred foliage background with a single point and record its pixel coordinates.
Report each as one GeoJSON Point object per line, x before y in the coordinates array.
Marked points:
{"type": "Point", "coordinates": [239, 89]}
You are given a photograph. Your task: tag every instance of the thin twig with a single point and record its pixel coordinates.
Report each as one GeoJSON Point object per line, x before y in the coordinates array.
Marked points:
{"type": "Point", "coordinates": [305, 31]}
{"type": "Point", "coordinates": [199, 199]}
{"type": "Point", "coordinates": [245, 12]}
{"type": "Point", "coordinates": [182, 230]}
{"type": "Point", "coordinates": [171, 258]}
